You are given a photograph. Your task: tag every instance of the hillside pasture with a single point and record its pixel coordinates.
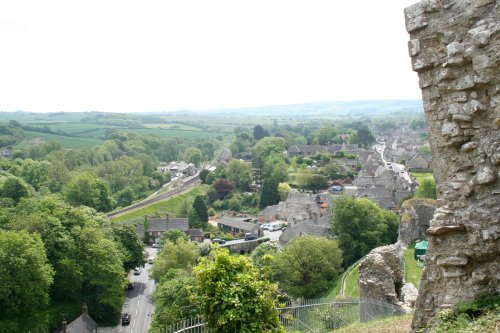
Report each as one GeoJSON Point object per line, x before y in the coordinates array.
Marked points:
{"type": "Point", "coordinates": [66, 141]}
{"type": "Point", "coordinates": [168, 133]}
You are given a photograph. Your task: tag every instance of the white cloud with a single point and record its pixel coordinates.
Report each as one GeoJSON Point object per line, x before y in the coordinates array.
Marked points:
{"type": "Point", "coordinates": [167, 55]}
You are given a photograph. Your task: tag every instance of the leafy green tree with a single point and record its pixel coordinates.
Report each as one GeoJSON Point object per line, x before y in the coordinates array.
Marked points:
{"type": "Point", "coordinates": [427, 189]}
{"type": "Point", "coordinates": [129, 245]}
{"type": "Point", "coordinates": [307, 265]}
{"type": "Point", "coordinates": [267, 147]}
{"type": "Point", "coordinates": [326, 134]}
{"type": "Point", "coordinates": [195, 157]}
{"type": "Point", "coordinates": [15, 188]}
{"type": "Point", "coordinates": [200, 210]}
{"type": "Point", "coordinates": [172, 301]}
{"type": "Point", "coordinates": [259, 132]}
{"type": "Point", "coordinates": [316, 182]}
{"type": "Point", "coordinates": [360, 225]}
{"type": "Point", "coordinates": [182, 255]}
{"type": "Point", "coordinates": [269, 195]}
{"type": "Point", "coordinates": [172, 235]}
{"type": "Point", "coordinates": [103, 280]}
{"type": "Point", "coordinates": [234, 296]}
{"type": "Point", "coordinates": [25, 278]}
{"type": "Point", "coordinates": [264, 255]}
{"type": "Point", "coordinates": [203, 175]}
{"type": "Point", "coordinates": [86, 189]}
{"type": "Point", "coordinates": [240, 174]}
{"type": "Point", "coordinates": [275, 166]}
{"type": "Point", "coordinates": [365, 136]}
{"type": "Point", "coordinates": [283, 190]}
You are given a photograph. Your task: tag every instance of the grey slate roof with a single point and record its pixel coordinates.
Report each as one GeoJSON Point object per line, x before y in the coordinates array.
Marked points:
{"type": "Point", "coordinates": [162, 224]}
{"type": "Point", "coordinates": [82, 324]}
{"type": "Point", "coordinates": [237, 223]}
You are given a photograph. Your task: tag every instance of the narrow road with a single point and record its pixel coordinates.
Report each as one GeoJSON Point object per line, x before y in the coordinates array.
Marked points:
{"type": "Point", "coordinates": [139, 301]}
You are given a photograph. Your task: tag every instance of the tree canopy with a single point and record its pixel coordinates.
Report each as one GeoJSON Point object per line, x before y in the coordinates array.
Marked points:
{"type": "Point", "coordinates": [360, 225]}
{"type": "Point", "coordinates": [233, 296]}
{"type": "Point", "coordinates": [307, 265]}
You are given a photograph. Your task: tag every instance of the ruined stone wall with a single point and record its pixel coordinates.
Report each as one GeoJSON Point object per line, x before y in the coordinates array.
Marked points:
{"type": "Point", "coordinates": [454, 46]}
{"type": "Point", "coordinates": [414, 219]}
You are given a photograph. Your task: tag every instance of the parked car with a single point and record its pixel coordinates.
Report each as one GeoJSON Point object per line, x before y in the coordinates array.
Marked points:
{"type": "Point", "coordinates": [126, 318]}
{"type": "Point", "coordinates": [151, 260]}
{"type": "Point", "coordinates": [137, 271]}
{"type": "Point", "coordinates": [218, 241]}
{"type": "Point", "coordinates": [265, 226]}
{"type": "Point", "coordinates": [275, 226]}
{"type": "Point", "coordinates": [250, 236]}
{"type": "Point", "coordinates": [155, 245]}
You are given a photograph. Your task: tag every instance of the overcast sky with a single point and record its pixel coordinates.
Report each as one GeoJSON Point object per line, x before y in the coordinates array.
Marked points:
{"type": "Point", "coordinates": [165, 55]}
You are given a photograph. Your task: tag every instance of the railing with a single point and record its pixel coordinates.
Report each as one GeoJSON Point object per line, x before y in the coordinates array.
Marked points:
{"type": "Point", "coordinates": [311, 315]}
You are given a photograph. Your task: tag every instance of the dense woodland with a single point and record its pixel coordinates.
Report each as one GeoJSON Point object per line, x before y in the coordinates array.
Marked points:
{"type": "Point", "coordinates": [58, 250]}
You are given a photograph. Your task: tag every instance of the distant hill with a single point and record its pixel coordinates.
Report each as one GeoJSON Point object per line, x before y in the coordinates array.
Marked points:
{"type": "Point", "coordinates": [317, 109]}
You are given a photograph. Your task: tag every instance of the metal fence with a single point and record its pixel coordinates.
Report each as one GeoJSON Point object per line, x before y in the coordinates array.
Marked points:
{"type": "Point", "coordinates": [310, 316]}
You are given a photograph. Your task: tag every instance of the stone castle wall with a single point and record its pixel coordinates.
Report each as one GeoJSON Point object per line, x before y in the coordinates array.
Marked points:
{"type": "Point", "coordinates": [454, 47]}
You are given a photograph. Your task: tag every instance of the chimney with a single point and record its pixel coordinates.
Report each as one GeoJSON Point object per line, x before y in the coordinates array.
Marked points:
{"type": "Point", "coordinates": [64, 324]}
{"type": "Point", "coordinates": [85, 309]}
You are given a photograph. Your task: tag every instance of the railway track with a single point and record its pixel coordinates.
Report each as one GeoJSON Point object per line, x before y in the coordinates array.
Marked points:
{"type": "Point", "coordinates": [186, 185]}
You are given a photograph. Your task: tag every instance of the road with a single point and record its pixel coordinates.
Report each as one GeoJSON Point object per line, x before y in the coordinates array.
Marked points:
{"type": "Point", "coordinates": [399, 169]}
{"type": "Point", "coordinates": [139, 301]}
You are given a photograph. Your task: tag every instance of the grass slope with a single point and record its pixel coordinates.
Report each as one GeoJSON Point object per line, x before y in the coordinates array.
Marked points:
{"type": "Point", "coordinates": [170, 206]}
{"type": "Point", "coordinates": [351, 283]}
{"type": "Point", "coordinates": [399, 324]}
{"type": "Point", "coordinates": [413, 273]}
{"type": "Point", "coordinates": [419, 176]}
{"type": "Point", "coordinates": [66, 141]}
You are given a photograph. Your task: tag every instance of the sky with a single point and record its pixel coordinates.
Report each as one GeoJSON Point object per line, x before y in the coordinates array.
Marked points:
{"type": "Point", "coordinates": [166, 55]}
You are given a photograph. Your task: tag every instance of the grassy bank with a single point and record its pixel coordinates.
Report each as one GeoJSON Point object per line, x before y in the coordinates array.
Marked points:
{"type": "Point", "coordinates": [413, 273]}
{"type": "Point", "coordinates": [170, 206]}
{"type": "Point", "coordinates": [399, 324]}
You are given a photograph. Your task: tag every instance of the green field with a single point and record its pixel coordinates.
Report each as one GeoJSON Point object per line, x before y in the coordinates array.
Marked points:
{"type": "Point", "coordinates": [419, 176]}
{"type": "Point", "coordinates": [173, 126]}
{"type": "Point", "coordinates": [413, 273]}
{"type": "Point", "coordinates": [166, 133]}
{"type": "Point", "coordinates": [169, 206]}
{"type": "Point", "coordinates": [66, 141]}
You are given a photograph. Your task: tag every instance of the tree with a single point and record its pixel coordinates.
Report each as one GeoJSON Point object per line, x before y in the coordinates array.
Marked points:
{"type": "Point", "coordinates": [307, 265]}
{"type": "Point", "coordinates": [269, 195]}
{"type": "Point", "coordinates": [182, 255]}
{"type": "Point", "coordinates": [275, 166]}
{"type": "Point", "coordinates": [234, 296]}
{"type": "Point", "coordinates": [15, 188]}
{"type": "Point", "coordinates": [267, 147]}
{"type": "Point", "coordinates": [223, 188]}
{"type": "Point", "coordinates": [203, 175]}
{"type": "Point", "coordinates": [283, 190]}
{"type": "Point", "coordinates": [240, 174]}
{"type": "Point", "coordinates": [360, 225]}
{"type": "Point", "coordinates": [365, 137]}
{"type": "Point", "coordinates": [195, 157]}
{"type": "Point", "coordinates": [172, 301]}
{"type": "Point", "coordinates": [427, 189]}
{"type": "Point", "coordinates": [316, 182]}
{"type": "Point", "coordinates": [200, 210]}
{"type": "Point", "coordinates": [172, 235]}
{"type": "Point", "coordinates": [86, 189]}
{"type": "Point", "coordinates": [25, 278]}
{"type": "Point", "coordinates": [259, 132]}
{"type": "Point", "coordinates": [129, 244]}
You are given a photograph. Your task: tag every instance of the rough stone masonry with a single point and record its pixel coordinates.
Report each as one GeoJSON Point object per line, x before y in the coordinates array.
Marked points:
{"type": "Point", "coordinates": [454, 47]}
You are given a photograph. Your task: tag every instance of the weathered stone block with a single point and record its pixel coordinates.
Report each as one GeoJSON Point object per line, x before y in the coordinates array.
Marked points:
{"type": "Point", "coordinates": [465, 82]}
{"type": "Point", "coordinates": [414, 47]}
{"type": "Point", "coordinates": [452, 261]}
{"type": "Point", "coordinates": [486, 175]}
{"type": "Point", "coordinates": [481, 38]}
